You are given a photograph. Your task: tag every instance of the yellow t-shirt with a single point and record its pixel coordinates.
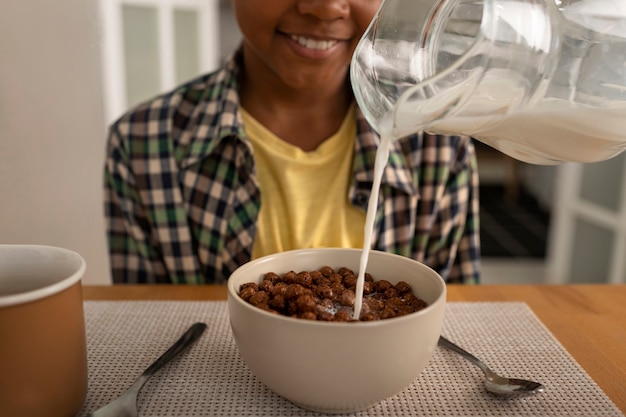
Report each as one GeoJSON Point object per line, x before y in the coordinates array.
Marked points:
{"type": "Point", "coordinates": [304, 195]}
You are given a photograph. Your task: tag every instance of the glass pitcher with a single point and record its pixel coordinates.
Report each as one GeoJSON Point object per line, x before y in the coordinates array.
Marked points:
{"type": "Point", "coordinates": [543, 81]}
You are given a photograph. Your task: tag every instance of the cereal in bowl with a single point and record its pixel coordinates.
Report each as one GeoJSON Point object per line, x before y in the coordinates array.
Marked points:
{"type": "Point", "coordinates": [328, 294]}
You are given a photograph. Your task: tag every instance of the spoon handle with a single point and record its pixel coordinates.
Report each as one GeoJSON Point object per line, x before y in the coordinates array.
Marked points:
{"type": "Point", "coordinates": [473, 359]}
{"type": "Point", "coordinates": [186, 340]}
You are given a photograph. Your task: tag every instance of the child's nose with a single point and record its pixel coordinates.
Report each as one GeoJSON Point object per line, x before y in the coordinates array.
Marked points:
{"type": "Point", "coordinates": [325, 9]}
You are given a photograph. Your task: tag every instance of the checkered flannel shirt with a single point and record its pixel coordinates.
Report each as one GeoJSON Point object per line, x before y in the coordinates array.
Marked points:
{"type": "Point", "coordinates": [182, 198]}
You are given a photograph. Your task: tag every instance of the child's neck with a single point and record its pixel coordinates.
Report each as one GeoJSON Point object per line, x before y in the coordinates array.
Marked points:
{"type": "Point", "coordinates": [304, 119]}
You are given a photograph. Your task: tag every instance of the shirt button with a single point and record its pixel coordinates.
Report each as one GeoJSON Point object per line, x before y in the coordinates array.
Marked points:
{"type": "Point", "coordinates": [361, 200]}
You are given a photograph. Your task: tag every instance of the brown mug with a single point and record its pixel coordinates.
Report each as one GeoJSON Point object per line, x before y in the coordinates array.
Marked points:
{"type": "Point", "coordinates": [43, 350]}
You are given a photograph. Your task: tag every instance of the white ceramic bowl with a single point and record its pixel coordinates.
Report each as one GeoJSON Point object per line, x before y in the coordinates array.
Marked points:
{"type": "Point", "coordinates": [334, 367]}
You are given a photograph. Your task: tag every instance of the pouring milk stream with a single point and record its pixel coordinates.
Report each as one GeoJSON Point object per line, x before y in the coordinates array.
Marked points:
{"type": "Point", "coordinates": [543, 81]}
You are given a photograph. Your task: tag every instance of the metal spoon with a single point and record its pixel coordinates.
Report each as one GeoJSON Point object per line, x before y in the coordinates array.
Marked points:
{"type": "Point", "coordinates": [126, 404]}
{"type": "Point", "coordinates": [494, 382]}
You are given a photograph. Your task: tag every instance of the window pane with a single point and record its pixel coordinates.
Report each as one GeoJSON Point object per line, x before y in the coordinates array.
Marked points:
{"type": "Point", "coordinates": [186, 45]}
{"type": "Point", "coordinates": [601, 182]}
{"type": "Point", "coordinates": [591, 257]}
{"type": "Point", "coordinates": [141, 53]}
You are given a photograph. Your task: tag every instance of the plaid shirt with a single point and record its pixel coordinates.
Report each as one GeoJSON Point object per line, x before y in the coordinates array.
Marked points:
{"type": "Point", "coordinates": [182, 198]}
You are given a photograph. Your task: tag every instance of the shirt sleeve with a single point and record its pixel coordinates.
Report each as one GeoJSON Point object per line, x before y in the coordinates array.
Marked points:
{"type": "Point", "coordinates": [132, 257]}
{"type": "Point", "coordinates": [466, 268]}
{"type": "Point", "coordinates": [454, 249]}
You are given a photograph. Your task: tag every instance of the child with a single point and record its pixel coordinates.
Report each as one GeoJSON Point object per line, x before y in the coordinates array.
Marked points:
{"type": "Point", "coordinates": [270, 153]}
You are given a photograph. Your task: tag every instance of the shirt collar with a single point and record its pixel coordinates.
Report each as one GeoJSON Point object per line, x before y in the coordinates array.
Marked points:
{"type": "Point", "coordinates": [213, 101]}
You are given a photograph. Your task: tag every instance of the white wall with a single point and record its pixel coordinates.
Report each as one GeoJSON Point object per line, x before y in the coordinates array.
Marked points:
{"type": "Point", "coordinates": [52, 132]}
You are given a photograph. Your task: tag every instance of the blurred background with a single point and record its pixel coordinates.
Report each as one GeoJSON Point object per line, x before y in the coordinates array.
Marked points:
{"type": "Point", "coordinates": [70, 67]}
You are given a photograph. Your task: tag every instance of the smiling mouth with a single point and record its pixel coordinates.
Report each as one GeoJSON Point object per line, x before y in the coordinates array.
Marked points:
{"type": "Point", "coordinates": [314, 43]}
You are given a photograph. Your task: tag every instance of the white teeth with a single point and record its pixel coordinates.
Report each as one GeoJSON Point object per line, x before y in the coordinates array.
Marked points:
{"type": "Point", "coordinates": [313, 44]}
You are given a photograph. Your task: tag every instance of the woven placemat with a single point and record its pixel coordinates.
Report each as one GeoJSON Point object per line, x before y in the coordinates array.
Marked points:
{"type": "Point", "coordinates": [211, 379]}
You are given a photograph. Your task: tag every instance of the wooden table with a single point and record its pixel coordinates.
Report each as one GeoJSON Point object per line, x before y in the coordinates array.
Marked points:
{"type": "Point", "coordinates": [588, 320]}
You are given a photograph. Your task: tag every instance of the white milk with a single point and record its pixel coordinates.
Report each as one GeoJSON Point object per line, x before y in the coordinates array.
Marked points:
{"type": "Point", "coordinates": [382, 156]}
{"type": "Point", "coordinates": [551, 130]}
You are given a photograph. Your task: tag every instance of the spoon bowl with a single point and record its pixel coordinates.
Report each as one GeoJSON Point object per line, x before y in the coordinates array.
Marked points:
{"type": "Point", "coordinates": [493, 382]}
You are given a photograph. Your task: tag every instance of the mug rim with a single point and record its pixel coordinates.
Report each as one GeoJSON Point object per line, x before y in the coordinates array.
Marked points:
{"type": "Point", "coordinates": [50, 289]}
